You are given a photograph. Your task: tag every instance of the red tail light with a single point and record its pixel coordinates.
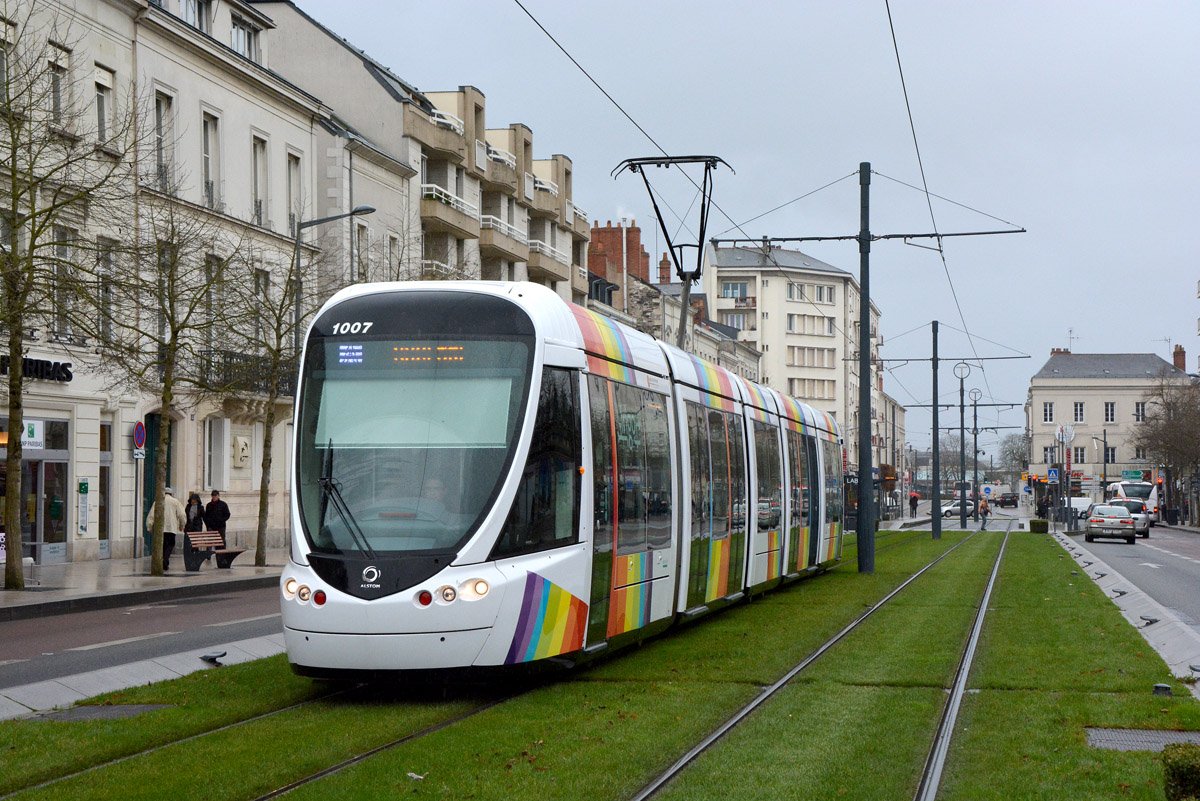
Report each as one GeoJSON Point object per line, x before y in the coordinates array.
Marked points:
{"type": "Point", "coordinates": [1130, 522]}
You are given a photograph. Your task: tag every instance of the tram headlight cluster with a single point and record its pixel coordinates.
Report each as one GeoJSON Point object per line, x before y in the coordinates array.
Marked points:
{"type": "Point", "coordinates": [469, 590]}
{"type": "Point", "coordinates": [302, 593]}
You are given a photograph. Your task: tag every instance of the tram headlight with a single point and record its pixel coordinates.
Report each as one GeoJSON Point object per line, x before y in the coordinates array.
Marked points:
{"type": "Point", "coordinates": [289, 588]}
{"type": "Point", "coordinates": [481, 587]}
{"type": "Point", "coordinates": [448, 594]}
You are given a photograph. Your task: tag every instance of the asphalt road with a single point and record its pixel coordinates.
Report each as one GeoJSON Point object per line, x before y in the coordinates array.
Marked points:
{"type": "Point", "coordinates": [1165, 566]}
{"type": "Point", "coordinates": [62, 645]}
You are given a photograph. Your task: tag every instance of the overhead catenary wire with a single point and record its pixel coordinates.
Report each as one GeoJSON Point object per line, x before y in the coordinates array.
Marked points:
{"type": "Point", "coordinates": [928, 199]}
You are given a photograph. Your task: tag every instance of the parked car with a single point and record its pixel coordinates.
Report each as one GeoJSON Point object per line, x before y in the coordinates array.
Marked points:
{"type": "Point", "coordinates": [768, 514]}
{"type": "Point", "coordinates": [952, 509]}
{"type": "Point", "coordinates": [1007, 499]}
{"type": "Point", "coordinates": [1141, 515]}
{"type": "Point", "coordinates": [1107, 520]}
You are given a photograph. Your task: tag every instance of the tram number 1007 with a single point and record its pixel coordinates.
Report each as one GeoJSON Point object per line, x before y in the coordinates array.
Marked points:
{"type": "Point", "coordinates": [352, 328]}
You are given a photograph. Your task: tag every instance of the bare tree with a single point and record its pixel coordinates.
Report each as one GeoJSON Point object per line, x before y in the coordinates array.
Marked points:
{"type": "Point", "coordinates": [1014, 456]}
{"type": "Point", "coordinates": [171, 310]}
{"type": "Point", "coordinates": [1170, 433]}
{"type": "Point", "coordinates": [65, 146]}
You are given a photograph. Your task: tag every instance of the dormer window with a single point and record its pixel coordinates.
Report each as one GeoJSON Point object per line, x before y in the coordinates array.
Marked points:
{"type": "Point", "coordinates": [198, 14]}
{"type": "Point", "coordinates": [244, 38]}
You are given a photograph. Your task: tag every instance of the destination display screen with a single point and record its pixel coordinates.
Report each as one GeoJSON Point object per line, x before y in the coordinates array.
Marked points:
{"type": "Point", "coordinates": [385, 354]}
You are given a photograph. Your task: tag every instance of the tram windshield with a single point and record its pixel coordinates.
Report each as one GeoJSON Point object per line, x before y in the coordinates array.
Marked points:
{"type": "Point", "coordinates": [405, 441]}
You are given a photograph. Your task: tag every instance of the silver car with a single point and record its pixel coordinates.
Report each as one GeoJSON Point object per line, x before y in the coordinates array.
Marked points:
{"type": "Point", "coordinates": [1141, 515]}
{"type": "Point", "coordinates": [953, 508]}
{"type": "Point", "coordinates": [1106, 520]}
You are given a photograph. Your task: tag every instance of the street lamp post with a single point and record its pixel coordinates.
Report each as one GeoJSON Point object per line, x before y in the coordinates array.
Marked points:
{"type": "Point", "coordinates": [1103, 462]}
{"type": "Point", "coordinates": [357, 211]}
{"type": "Point", "coordinates": [961, 371]}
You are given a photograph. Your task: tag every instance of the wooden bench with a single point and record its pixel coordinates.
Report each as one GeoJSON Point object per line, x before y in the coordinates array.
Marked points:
{"type": "Point", "coordinates": [199, 545]}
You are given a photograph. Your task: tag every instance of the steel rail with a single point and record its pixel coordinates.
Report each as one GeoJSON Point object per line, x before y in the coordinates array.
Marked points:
{"type": "Point", "coordinates": [931, 775]}
{"type": "Point", "coordinates": [663, 779]}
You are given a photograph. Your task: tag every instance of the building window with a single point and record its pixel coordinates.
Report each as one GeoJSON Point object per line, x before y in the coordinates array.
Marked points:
{"type": "Point", "coordinates": [1048, 454]}
{"type": "Point", "coordinates": [361, 254]}
{"type": "Point", "coordinates": [212, 272]}
{"type": "Point", "coordinates": [795, 291]}
{"type": "Point", "coordinates": [1078, 411]}
{"type": "Point", "coordinates": [393, 256]}
{"type": "Point", "coordinates": [734, 289]}
{"type": "Point", "coordinates": [293, 192]}
{"type": "Point", "coordinates": [64, 241]}
{"type": "Point", "coordinates": [1047, 412]}
{"type": "Point", "coordinates": [198, 14]}
{"type": "Point", "coordinates": [829, 294]}
{"type": "Point", "coordinates": [209, 155]}
{"type": "Point", "coordinates": [1139, 453]}
{"type": "Point", "coordinates": [1080, 455]}
{"type": "Point", "coordinates": [258, 180]}
{"type": "Point", "coordinates": [104, 104]}
{"type": "Point", "coordinates": [737, 321]}
{"type": "Point", "coordinates": [1139, 411]}
{"type": "Point", "coordinates": [162, 141]}
{"type": "Point", "coordinates": [216, 453]}
{"type": "Point", "coordinates": [105, 278]}
{"type": "Point", "coordinates": [262, 296]}
{"type": "Point", "coordinates": [1110, 412]}
{"type": "Point", "coordinates": [1110, 454]}
{"type": "Point", "coordinates": [59, 84]}
{"type": "Point", "coordinates": [244, 38]}
{"type": "Point", "coordinates": [831, 326]}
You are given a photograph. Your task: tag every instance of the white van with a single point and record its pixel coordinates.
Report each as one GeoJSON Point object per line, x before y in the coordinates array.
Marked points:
{"type": "Point", "coordinates": [1080, 505]}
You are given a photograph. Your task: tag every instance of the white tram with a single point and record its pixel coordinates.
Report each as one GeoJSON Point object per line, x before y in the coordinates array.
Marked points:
{"type": "Point", "coordinates": [487, 475]}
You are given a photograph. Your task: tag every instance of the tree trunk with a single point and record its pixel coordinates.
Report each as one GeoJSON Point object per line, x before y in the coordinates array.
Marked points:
{"type": "Point", "coordinates": [14, 575]}
{"type": "Point", "coordinates": [264, 485]}
{"type": "Point", "coordinates": [160, 467]}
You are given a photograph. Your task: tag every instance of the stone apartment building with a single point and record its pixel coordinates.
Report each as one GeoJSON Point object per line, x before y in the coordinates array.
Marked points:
{"type": "Point", "coordinates": [802, 315]}
{"type": "Point", "coordinates": [1098, 399]}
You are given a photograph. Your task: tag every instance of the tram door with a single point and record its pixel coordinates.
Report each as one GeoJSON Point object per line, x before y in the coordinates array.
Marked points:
{"type": "Point", "coordinates": [800, 533]}
{"type": "Point", "coordinates": [817, 514]}
{"type": "Point", "coordinates": [631, 490]}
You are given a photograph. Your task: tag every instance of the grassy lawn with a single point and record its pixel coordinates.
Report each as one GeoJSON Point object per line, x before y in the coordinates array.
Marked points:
{"type": "Point", "coordinates": [630, 715]}
{"type": "Point", "coordinates": [1055, 658]}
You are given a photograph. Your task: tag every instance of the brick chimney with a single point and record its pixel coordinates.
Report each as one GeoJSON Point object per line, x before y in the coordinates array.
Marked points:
{"type": "Point", "coordinates": [1054, 351]}
{"type": "Point", "coordinates": [664, 269]}
{"type": "Point", "coordinates": [1180, 357]}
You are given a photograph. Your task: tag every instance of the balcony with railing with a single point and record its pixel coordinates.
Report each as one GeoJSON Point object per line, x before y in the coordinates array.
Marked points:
{"type": "Point", "coordinates": [548, 262]}
{"type": "Point", "coordinates": [743, 302]}
{"type": "Point", "coordinates": [442, 210]}
{"type": "Point", "coordinates": [436, 132]}
{"type": "Point", "coordinates": [498, 238]}
{"type": "Point", "coordinates": [545, 197]}
{"type": "Point", "coordinates": [579, 221]}
{"type": "Point", "coordinates": [501, 173]}
{"type": "Point", "coordinates": [432, 268]}
{"type": "Point", "coordinates": [247, 372]}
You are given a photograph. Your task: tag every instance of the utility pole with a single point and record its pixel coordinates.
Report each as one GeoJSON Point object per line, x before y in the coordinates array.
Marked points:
{"type": "Point", "coordinates": [936, 509]}
{"type": "Point", "coordinates": [961, 371]}
{"type": "Point", "coordinates": [975, 396]}
{"type": "Point", "coordinates": [866, 511]}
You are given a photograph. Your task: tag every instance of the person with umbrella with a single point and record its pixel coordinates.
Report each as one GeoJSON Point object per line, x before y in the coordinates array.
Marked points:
{"type": "Point", "coordinates": [912, 503]}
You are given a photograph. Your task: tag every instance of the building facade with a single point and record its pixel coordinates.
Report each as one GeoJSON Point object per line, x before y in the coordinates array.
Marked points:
{"type": "Point", "coordinates": [803, 316]}
{"type": "Point", "coordinates": [254, 119]}
{"type": "Point", "coordinates": [1096, 401]}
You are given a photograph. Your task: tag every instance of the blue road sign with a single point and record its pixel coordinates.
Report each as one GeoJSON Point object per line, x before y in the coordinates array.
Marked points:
{"type": "Point", "coordinates": [1052, 475]}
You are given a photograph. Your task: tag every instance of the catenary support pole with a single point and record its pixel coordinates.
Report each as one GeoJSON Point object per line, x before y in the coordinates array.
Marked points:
{"type": "Point", "coordinates": [866, 511]}
{"type": "Point", "coordinates": [962, 452]}
{"type": "Point", "coordinates": [936, 508]}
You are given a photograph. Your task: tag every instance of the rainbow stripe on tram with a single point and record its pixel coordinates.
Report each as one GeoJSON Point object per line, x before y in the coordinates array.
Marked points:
{"type": "Point", "coordinates": [552, 622]}
{"type": "Point", "coordinates": [714, 383]}
{"type": "Point", "coordinates": [608, 352]}
{"type": "Point", "coordinates": [793, 413]}
{"type": "Point", "coordinates": [758, 402]}
{"type": "Point", "coordinates": [718, 569]}
{"type": "Point", "coordinates": [629, 604]}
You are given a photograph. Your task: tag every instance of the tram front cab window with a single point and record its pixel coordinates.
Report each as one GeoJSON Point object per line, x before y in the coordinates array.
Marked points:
{"type": "Point", "coordinates": [408, 430]}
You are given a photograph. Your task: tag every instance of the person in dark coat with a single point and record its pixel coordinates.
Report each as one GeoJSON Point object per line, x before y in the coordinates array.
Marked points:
{"type": "Point", "coordinates": [216, 514]}
{"type": "Point", "coordinates": [195, 513]}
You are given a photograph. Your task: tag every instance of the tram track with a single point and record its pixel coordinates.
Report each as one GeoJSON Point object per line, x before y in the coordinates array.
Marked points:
{"type": "Point", "coordinates": [651, 789]}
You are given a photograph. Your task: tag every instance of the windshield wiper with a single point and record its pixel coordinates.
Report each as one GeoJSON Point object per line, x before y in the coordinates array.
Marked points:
{"type": "Point", "coordinates": [331, 492]}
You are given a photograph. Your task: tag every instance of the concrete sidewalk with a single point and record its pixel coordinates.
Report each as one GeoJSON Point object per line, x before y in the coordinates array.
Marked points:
{"type": "Point", "coordinates": [109, 583]}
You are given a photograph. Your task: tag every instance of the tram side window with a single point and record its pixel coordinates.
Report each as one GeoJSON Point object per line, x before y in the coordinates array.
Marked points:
{"type": "Point", "coordinates": [766, 448]}
{"type": "Point", "coordinates": [658, 470]}
{"type": "Point", "coordinates": [545, 512]}
{"type": "Point", "coordinates": [701, 491]}
{"type": "Point", "coordinates": [718, 425]}
{"type": "Point", "coordinates": [799, 462]}
{"type": "Point", "coordinates": [737, 474]}
{"type": "Point", "coordinates": [602, 460]}
{"type": "Point", "coordinates": [833, 496]}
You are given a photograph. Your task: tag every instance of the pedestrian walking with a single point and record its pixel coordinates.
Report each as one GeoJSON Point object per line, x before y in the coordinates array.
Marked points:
{"type": "Point", "coordinates": [912, 505]}
{"type": "Point", "coordinates": [984, 511]}
{"type": "Point", "coordinates": [195, 513]}
{"type": "Point", "coordinates": [174, 520]}
{"type": "Point", "coordinates": [216, 515]}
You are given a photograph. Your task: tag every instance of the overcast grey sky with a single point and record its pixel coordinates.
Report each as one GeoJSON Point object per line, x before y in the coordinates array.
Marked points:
{"type": "Point", "coordinates": [1074, 120]}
